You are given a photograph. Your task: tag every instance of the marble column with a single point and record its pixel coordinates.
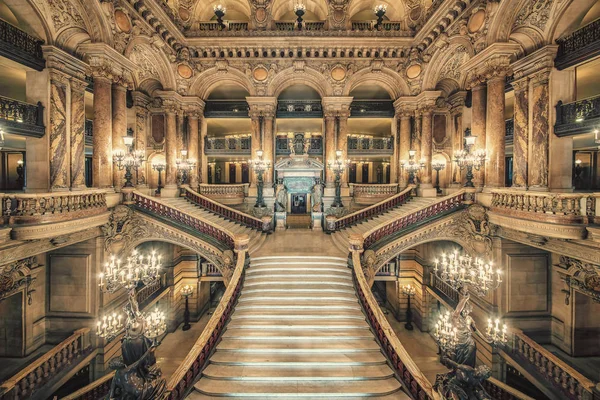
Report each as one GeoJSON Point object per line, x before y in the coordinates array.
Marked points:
{"type": "Point", "coordinates": [405, 126]}
{"type": "Point", "coordinates": [119, 127]}
{"type": "Point", "coordinates": [538, 171]}
{"type": "Point", "coordinates": [141, 131]}
{"type": "Point", "coordinates": [427, 145]}
{"type": "Point", "coordinates": [521, 134]}
{"type": "Point", "coordinates": [193, 119]}
{"type": "Point", "coordinates": [59, 138]}
{"type": "Point", "coordinates": [255, 145]}
{"type": "Point", "coordinates": [457, 102]}
{"type": "Point", "coordinates": [171, 148]}
{"type": "Point", "coordinates": [478, 124]}
{"type": "Point", "coordinates": [342, 141]}
{"type": "Point", "coordinates": [415, 142]}
{"type": "Point", "coordinates": [181, 144]}
{"type": "Point", "coordinates": [495, 139]}
{"type": "Point", "coordinates": [77, 137]}
{"type": "Point", "coordinates": [330, 139]}
{"type": "Point", "coordinates": [268, 145]}
{"type": "Point", "coordinates": [102, 164]}
{"type": "Point", "coordinates": [203, 158]}
{"type": "Point", "coordinates": [394, 164]}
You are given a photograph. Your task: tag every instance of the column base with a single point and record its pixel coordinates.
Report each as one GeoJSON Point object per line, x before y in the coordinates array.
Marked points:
{"type": "Point", "coordinates": [78, 188]}
{"type": "Point", "coordinates": [426, 190]}
{"type": "Point", "coordinates": [169, 191]}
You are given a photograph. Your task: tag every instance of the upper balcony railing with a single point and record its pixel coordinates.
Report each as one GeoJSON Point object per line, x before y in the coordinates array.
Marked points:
{"type": "Point", "coordinates": [282, 146]}
{"type": "Point", "coordinates": [225, 194]}
{"type": "Point", "coordinates": [510, 130]}
{"type": "Point", "coordinates": [89, 132]}
{"type": "Point", "coordinates": [226, 109]}
{"type": "Point", "coordinates": [371, 26]}
{"type": "Point", "coordinates": [229, 26]}
{"type": "Point", "coordinates": [299, 109]}
{"type": "Point", "coordinates": [372, 193]}
{"type": "Point", "coordinates": [293, 25]}
{"type": "Point", "coordinates": [228, 146]}
{"type": "Point", "coordinates": [579, 46]}
{"type": "Point", "coordinates": [22, 118]}
{"type": "Point", "coordinates": [577, 117]}
{"type": "Point", "coordinates": [372, 109]}
{"type": "Point", "coordinates": [370, 145]}
{"type": "Point", "coordinates": [21, 47]}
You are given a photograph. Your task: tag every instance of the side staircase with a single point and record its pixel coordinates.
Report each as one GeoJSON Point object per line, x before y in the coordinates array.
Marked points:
{"type": "Point", "coordinates": [340, 237]}
{"type": "Point", "coordinates": [257, 238]}
{"type": "Point", "coordinates": [298, 331]}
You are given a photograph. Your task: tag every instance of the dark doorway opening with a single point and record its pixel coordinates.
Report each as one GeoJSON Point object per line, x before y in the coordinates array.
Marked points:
{"type": "Point", "coordinates": [299, 203]}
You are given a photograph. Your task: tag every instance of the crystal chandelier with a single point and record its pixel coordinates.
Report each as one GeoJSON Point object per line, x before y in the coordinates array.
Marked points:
{"type": "Point", "coordinates": [467, 274]}
{"type": "Point", "coordinates": [469, 160]}
{"type": "Point", "coordinates": [412, 166]}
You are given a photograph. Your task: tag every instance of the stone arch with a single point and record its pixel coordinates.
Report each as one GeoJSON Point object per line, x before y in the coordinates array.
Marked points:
{"type": "Point", "coordinates": [154, 69]}
{"type": "Point", "coordinates": [394, 11]}
{"type": "Point", "coordinates": [31, 19]}
{"type": "Point", "coordinates": [567, 18]}
{"type": "Point", "coordinates": [282, 7]}
{"type": "Point", "coordinates": [208, 80]}
{"type": "Point", "coordinates": [503, 21]}
{"type": "Point", "coordinates": [203, 10]}
{"type": "Point", "coordinates": [448, 86]}
{"type": "Point", "coordinates": [308, 77]}
{"type": "Point", "coordinates": [388, 79]}
{"type": "Point", "coordinates": [446, 64]}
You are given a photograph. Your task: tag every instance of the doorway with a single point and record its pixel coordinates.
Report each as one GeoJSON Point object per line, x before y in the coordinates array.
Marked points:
{"type": "Point", "coordinates": [298, 205]}
{"type": "Point", "coordinates": [232, 173]}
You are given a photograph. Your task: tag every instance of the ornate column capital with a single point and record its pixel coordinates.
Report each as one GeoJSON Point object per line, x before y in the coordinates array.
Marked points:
{"type": "Point", "coordinates": [494, 62]}
{"type": "Point", "coordinates": [337, 106]}
{"type": "Point", "coordinates": [141, 100]}
{"type": "Point", "coordinates": [59, 60]}
{"type": "Point", "coordinates": [106, 62]}
{"type": "Point", "coordinates": [262, 106]}
{"type": "Point", "coordinates": [540, 60]}
{"type": "Point", "coordinates": [520, 84]}
{"type": "Point", "coordinates": [457, 102]}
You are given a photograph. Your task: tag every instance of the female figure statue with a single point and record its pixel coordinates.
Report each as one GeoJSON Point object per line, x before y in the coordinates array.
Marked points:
{"type": "Point", "coordinates": [280, 198]}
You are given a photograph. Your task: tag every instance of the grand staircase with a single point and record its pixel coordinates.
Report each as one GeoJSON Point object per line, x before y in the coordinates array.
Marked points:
{"type": "Point", "coordinates": [257, 238]}
{"type": "Point", "coordinates": [298, 331]}
{"type": "Point", "coordinates": [340, 237]}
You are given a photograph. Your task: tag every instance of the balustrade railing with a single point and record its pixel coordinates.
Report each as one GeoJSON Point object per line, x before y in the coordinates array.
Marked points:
{"type": "Point", "coordinates": [509, 132]}
{"type": "Point", "coordinates": [229, 26]}
{"type": "Point", "coordinates": [370, 145]}
{"type": "Point", "coordinates": [409, 373]}
{"type": "Point", "coordinates": [563, 377]}
{"type": "Point", "coordinates": [299, 109]}
{"type": "Point", "coordinates": [89, 128]}
{"type": "Point", "coordinates": [158, 208]}
{"type": "Point", "coordinates": [226, 108]}
{"type": "Point", "coordinates": [227, 212]}
{"type": "Point", "coordinates": [293, 25]}
{"type": "Point", "coordinates": [148, 291]}
{"type": "Point", "coordinates": [190, 369]}
{"type": "Point", "coordinates": [226, 194]}
{"type": "Point", "coordinates": [373, 190]}
{"type": "Point", "coordinates": [232, 146]}
{"type": "Point", "coordinates": [447, 204]}
{"type": "Point", "coordinates": [372, 109]}
{"type": "Point", "coordinates": [371, 211]}
{"type": "Point", "coordinates": [451, 294]}
{"type": "Point", "coordinates": [501, 391]}
{"type": "Point", "coordinates": [94, 391]}
{"type": "Point", "coordinates": [387, 270]}
{"type": "Point", "coordinates": [577, 117]}
{"type": "Point", "coordinates": [21, 208]}
{"type": "Point", "coordinates": [282, 146]}
{"type": "Point", "coordinates": [20, 46]}
{"type": "Point", "coordinates": [370, 25]}
{"type": "Point", "coordinates": [549, 207]}
{"type": "Point", "coordinates": [581, 45]}
{"type": "Point", "coordinates": [22, 118]}
{"type": "Point", "coordinates": [39, 372]}
{"type": "Point", "coordinates": [212, 270]}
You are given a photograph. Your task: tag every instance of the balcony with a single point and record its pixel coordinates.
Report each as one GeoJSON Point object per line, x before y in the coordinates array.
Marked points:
{"type": "Point", "coordinates": [362, 146]}
{"type": "Point", "coordinates": [370, 26]}
{"type": "Point", "coordinates": [21, 47]}
{"type": "Point", "coordinates": [213, 26]}
{"type": "Point", "coordinates": [293, 26]}
{"type": "Point", "coordinates": [282, 146]}
{"type": "Point", "coordinates": [89, 132]}
{"type": "Point", "coordinates": [579, 46]}
{"type": "Point", "coordinates": [22, 118]}
{"type": "Point", "coordinates": [226, 109]}
{"type": "Point", "coordinates": [372, 109]}
{"type": "Point", "coordinates": [510, 131]}
{"type": "Point", "coordinates": [299, 109]}
{"type": "Point", "coordinates": [228, 146]}
{"type": "Point", "coordinates": [577, 117]}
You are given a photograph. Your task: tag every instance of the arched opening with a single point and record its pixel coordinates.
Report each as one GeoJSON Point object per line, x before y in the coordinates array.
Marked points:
{"type": "Point", "coordinates": [283, 10]}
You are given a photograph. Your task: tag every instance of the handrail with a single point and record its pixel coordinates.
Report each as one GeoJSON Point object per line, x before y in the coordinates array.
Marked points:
{"type": "Point", "coordinates": [238, 190]}
{"type": "Point", "coordinates": [375, 209]}
{"type": "Point", "coordinates": [215, 231]}
{"type": "Point", "coordinates": [40, 371]}
{"type": "Point", "coordinates": [227, 212]}
{"type": "Point", "coordinates": [373, 189]}
{"type": "Point", "coordinates": [388, 228]}
{"type": "Point", "coordinates": [501, 391]}
{"type": "Point", "coordinates": [191, 367]}
{"type": "Point", "coordinates": [95, 390]}
{"type": "Point", "coordinates": [572, 383]}
{"type": "Point", "coordinates": [407, 371]}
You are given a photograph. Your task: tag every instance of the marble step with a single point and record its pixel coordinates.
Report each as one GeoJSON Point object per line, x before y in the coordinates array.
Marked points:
{"type": "Point", "coordinates": [285, 314]}
{"type": "Point", "coordinates": [343, 345]}
{"type": "Point", "coordinates": [298, 389]}
{"type": "Point", "coordinates": [319, 324]}
{"type": "Point", "coordinates": [299, 360]}
{"type": "Point", "coordinates": [262, 270]}
{"type": "Point", "coordinates": [395, 396]}
{"type": "Point", "coordinates": [299, 276]}
{"type": "Point", "coordinates": [280, 283]}
{"type": "Point", "coordinates": [297, 334]}
{"type": "Point", "coordinates": [299, 263]}
{"type": "Point", "coordinates": [301, 291]}
{"type": "Point", "coordinates": [278, 373]}
{"type": "Point", "coordinates": [287, 297]}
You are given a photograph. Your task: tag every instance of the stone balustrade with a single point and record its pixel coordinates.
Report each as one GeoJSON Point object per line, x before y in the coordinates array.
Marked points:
{"type": "Point", "coordinates": [370, 25]}
{"type": "Point", "coordinates": [25, 208]}
{"type": "Point", "coordinates": [24, 384]}
{"type": "Point", "coordinates": [571, 383]}
{"type": "Point", "coordinates": [567, 208]}
{"type": "Point", "coordinates": [94, 391]}
{"type": "Point", "coordinates": [501, 391]}
{"type": "Point", "coordinates": [387, 269]}
{"type": "Point", "coordinates": [229, 25]}
{"type": "Point", "coordinates": [225, 194]}
{"type": "Point", "coordinates": [451, 294]}
{"type": "Point", "coordinates": [372, 193]}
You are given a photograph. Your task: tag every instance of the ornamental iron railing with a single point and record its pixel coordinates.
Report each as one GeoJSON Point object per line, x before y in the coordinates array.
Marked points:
{"type": "Point", "coordinates": [372, 109]}
{"type": "Point", "coordinates": [228, 146]}
{"type": "Point", "coordinates": [226, 109]}
{"type": "Point", "coordinates": [510, 130]}
{"type": "Point", "coordinates": [299, 109]}
{"type": "Point", "coordinates": [361, 145]}
{"type": "Point", "coordinates": [579, 46]}
{"type": "Point", "coordinates": [22, 118]}
{"type": "Point", "coordinates": [577, 117]}
{"type": "Point", "coordinates": [371, 25]}
{"type": "Point", "coordinates": [21, 47]}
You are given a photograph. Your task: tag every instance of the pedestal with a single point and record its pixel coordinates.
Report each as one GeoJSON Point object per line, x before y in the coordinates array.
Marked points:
{"type": "Point", "coordinates": [280, 221]}
{"type": "Point", "coordinates": [426, 190]}
{"type": "Point", "coordinates": [317, 221]}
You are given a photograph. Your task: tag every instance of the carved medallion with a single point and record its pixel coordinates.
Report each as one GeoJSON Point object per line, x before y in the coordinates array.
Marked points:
{"type": "Point", "coordinates": [185, 71]}
{"type": "Point", "coordinates": [261, 15]}
{"type": "Point", "coordinates": [260, 74]}
{"type": "Point", "coordinates": [339, 15]}
{"type": "Point", "coordinates": [476, 21]}
{"type": "Point", "coordinates": [123, 22]}
{"type": "Point", "coordinates": [413, 71]}
{"type": "Point", "coordinates": [338, 74]}
{"type": "Point", "coordinates": [184, 13]}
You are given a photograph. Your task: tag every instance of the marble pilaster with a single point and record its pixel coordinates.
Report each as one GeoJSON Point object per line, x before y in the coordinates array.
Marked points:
{"type": "Point", "coordinates": [171, 148]}
{"type": "Point", "coordinates": [77, 136]}
{"type": "Point", "coordinates": [268, 145]}
{"type": "Point", "coordinates": [59, 139]}
{"type": "Point", "coordinates": [394, 164]}
{"type": "Point", "coordinates": [405, 126]}
{"type": "Point", "coordinates": [457, 103]}
{"type": "Point", "coordinates": [495, 140]}
{"type": "Point", "coordinates": [427, 144]}
{"type": "Point", "coordinates": [203, 160]}
{"type": "Point", "coordinates": [142, 117]}
{"type": "Point", "coordinates": [339, 108]}
{"type": "Point", "coordinates": [521, 134]}
{"type": "Point", "coordinates": [540, 132]}
{"type": "Point", "coordinates": [330, 128]}
{"type": "Point", "coordinates": [262, 115]}
{"type": "Point", "coordinates": [181, 144]}
{"type": "Point", "coordinates": [415, 141]}
{"type": "Point", "coordinates": [255, 145]}
{"type": "Point", "coordinates": [102, 165]}
{"type": "Point", "coordinates": [193, 123]}
{"type": "Point", "coordinates": [119, 127]}
{"type": "Point", "coordinates": [478, 124]}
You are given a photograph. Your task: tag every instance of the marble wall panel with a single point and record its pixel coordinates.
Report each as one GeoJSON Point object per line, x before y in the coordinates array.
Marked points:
{"type": "Point", "coordinates": [69, 288]}
{"type": "Point", "coordinates": [527, 276]}
{"type": "Point", "coordinates": [59, 175]}
{"type": "Point", "coordinates": [538, 171]}
{"type": "Point", "coordinates": [521, 138]}
{"type": "Point", "coordinates": [77, 137]}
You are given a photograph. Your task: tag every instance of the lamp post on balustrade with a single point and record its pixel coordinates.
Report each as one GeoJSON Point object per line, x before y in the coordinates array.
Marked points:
{"type": "Point", "coordinates": [186, 292]}
{"type": "Point", "coordinates": [220, 11]}
{"type": "Point", "coordinates": [185, 166]}
{"type": "Point", "coordinates": [129, 161]}
{"type": "Point", "coordinates": [438, 165]}
{"type": "Point", "coordinates": [299, 10]}
{"type": "Point", "coordinates": [259, 166]}
{"type": "Point", "coordinates": [412, 166]}
{"type": "Point", "coordinates": [379, 13]}
{"type": "Point", "coordinates": [469, 160]}
{"type": "Point", "coordinates": [159, 167]}
{"type": "Point", "coordinates": [408, 291]}
{"type": "Point", "coordinates": [338, 166]}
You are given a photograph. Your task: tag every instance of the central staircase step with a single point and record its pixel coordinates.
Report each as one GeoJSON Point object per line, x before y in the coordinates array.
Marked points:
{"type": "Point", "coordinates": [279, 373]}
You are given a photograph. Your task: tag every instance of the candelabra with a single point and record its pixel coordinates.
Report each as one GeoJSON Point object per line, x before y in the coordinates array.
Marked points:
{"type": "Point", "coordinates": [259, 166]}
{"type": "Point", "coordinates": [186, 292]}
{"type": "Point", "coordinates": [379, 13]}
{"type": "Point", "coordinates": [408, 291]}
{"type": "Point", "coordinates": [299, 10]}
{"type": "Point", "coordinates": [185, 166]}
{"type": "Point", "coordinates": [469, 160]}
{"type": "Point", "coordinates": [445, 333]}
{"type": "Point", "coordinates": [130, 160]}
{"type": "Point", "coordinates": [338, 166]}
{"type": "Point", "coordinates": [159, 167]}
{"type": "Point", "coordinates": [220, 11]}
{"type": "Point", "coordinates": [438, 165]}
{"type": "Point", "coordinates": [467, 274]}
{"type": "Point", "coordinates": [412, 166]}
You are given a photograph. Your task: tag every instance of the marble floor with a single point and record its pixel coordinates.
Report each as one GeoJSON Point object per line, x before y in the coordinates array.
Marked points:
{"type": "Point", "coordinates": [299, 242]}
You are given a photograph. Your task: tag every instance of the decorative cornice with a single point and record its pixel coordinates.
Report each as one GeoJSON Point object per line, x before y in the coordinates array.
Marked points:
{"type": "Point", "coordinates": [337, 106]}
{"type": "Point", "coordinates": [259, 106]}
{"type": "Point", "coordinates": [540, 60]}
{"type": "Point", "coordinates": [60, 60]}
{"type": "Point", "coordinates": [106, 62]}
